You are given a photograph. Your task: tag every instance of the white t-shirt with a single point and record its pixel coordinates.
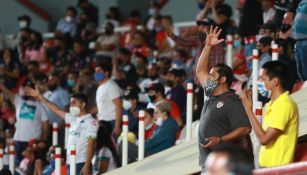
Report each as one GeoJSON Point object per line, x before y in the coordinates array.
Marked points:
{"type": "Point", "coordinates": [107, 39]}
{"type": "Point", "coordinates": [104, 96]}
{"type": "Point", "coordinates": [81, 128]}
{"type": "Point", "coordinates": [104, 154]}
{"type": "Point", "coordinates": [29, 118]}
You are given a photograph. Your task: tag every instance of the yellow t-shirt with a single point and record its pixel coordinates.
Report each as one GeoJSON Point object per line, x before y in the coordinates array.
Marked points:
{"type": "Point", "coordinates": [281, 115]}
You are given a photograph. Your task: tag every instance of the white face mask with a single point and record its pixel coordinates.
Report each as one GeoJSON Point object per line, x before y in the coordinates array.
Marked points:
{"type": "Point", "coordinates": [74, 110]}
{"type": "Point", "coordinates": [159, 121]}
{"type": "Point", "coordinates": [148, 126]}
{"type": "Point", "coordinates": [127, 104]}
{"type": "Point", "coordinates": [68, 19]}
{"type": "Point", "coordinates": [23, 24]}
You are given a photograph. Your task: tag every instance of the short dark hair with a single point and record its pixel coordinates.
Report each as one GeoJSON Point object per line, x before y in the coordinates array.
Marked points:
{"type": "Point", "coordinates": [73, 9]}
{"type": "Point", "coordinates": [81, 97]}
{"type": "Point", "coordinates": [106, 66]}
{"type": "Point", "coordinates": [239, 161]}
{"type": "Point", "coordinates": [224, 70]}
{"type": "Point", "coordinates": [125, 51]}
{"type": "Point", "coordinates": [278, 69]}
{"type": "Point", "coordinates": [266, 40]}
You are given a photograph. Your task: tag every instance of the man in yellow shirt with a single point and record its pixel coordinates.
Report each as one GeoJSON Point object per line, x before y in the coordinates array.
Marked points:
{"type": "Point", "coordinates": [278, 134]}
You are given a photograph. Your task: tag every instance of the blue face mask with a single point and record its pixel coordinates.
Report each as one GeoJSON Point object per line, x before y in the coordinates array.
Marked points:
{"type": "Point", "coordinates": [152, 12]}
{"type": "Point", "coordinates": [262, 90]}
{"type": "Point", "coordinates": [237, 43]}
{"type": "Point", "coordinates": [71, 83]}
{"type": "Point", "coordinates": [99, 76]}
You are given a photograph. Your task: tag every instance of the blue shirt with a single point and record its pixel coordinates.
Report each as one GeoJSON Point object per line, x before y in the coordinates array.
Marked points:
{"type": "Point", "coordinates": [164, 137]}
{"type": "Point", "coordinates": [67, 27]}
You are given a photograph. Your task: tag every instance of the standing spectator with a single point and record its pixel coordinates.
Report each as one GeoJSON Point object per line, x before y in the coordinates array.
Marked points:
{"type": "Point", "coordinates": [106, 157]}
{"type": "Point", "coordinates": [283, 7]}
{"type": "Point", "coordinates": [67, 26]}
{"type": "Point", "coordinates": [107, 43]}
{"type": "Point", "coordinates": [123, 70]}
{"type": "Point", "coordinates": [165, 135]}
{"type": "Point", "coordinates": [268, 11]}
{"type": "Point", "coordinates": [279, 130]}
{"type": "Point", "coordinates": [31, 120]}
{"type": "Point", "coordinates": [9, 69]}
{"type": "Point", "coordinates": [82, 132]}
{"type": "Point", "coordinates": [300, 35]}
{"type": "Point", "coordinates": [219, 104]}
{"type": "Point", "coordinates": [109, 104]}
{"type": "Point", "coordinates": [56, 94]}
{"type": "Point", "coordinates": [89, 9]}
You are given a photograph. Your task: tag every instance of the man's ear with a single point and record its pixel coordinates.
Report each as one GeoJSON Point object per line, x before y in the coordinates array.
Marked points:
{"type": "Point", "coordinates": [223, 79]}
{"type": "Point", "coordinates": [276, 81]}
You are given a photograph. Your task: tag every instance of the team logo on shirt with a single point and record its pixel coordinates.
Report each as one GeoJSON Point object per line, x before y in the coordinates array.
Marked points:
{"type": "Point", "coordinates": [219, 104]}
{"type": "Point", "coordinates": [94, 123]}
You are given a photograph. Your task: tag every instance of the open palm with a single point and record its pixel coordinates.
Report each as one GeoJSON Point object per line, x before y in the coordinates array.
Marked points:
{"type": "Point", "coordinates": [212, 37]}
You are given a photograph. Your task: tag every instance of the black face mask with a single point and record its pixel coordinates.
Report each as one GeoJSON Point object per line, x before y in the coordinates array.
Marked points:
{"type": "Point", "coordinates": [152, 98]}
{"type": "Point", "coordinates": [153, 77]}
{"type": "Point", "coordinates": [27, 98]}
{"type": "Point", "coordinates": [202, 36]}
{"type": "Point", "coordinates": [170, 83]}
{"type": "Point", "coordinates": [52, 87]}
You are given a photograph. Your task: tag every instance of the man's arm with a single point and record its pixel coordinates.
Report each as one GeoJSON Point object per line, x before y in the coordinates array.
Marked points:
{"type": "Point", "coordinates": [118, 112]}
{"type": "Point", "coordinates": [53, 107]}
{"type": "Point", "coordinates": [202, 71]}
{"type": "Point", "coordinates": [90, 153]}
{"type": "Point", "coordinates": [184, 42]}
{"type": "Point", "coordinates": [264, 137]}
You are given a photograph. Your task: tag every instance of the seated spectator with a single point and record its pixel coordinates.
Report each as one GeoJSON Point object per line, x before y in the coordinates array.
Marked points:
{"type": "Point", "coordinates": [9, 69]}
{"type": "Point", "coordinates": [165, 135]}
{"type": "Point", "coordinates": [106, 158]}
{"type": "Point", "coordinates": [90, 9]}
{"type": "Point", "coordinates": [80, 57]}
{"type": "Point", "coordinates": [112, 16]}
{"type": "Point", "coordinates": [138, 44]}
{"type": "Point", "coordinates": [107, 43]}
{"type": "Point", "coordinates": [27, 164]}
{"type": "Point", "coordinates": [131, 107]}
{"type": "Point", "coordinates": [71, 82]}
{"type": "Point", "coordinates": [268, 29]}
{"type": "Point", "coordinates": [7, 115]}
{"type": "Point", "coordinates": [264, 45]}
{"type": "Point", "coordinates": [268, 10]}
{"type": "Point", "coordinates": [67, 26]}
{"type": "Point", "coordinates": [149, 122]}
{"type": "Point", "coordinates": [152, 77]}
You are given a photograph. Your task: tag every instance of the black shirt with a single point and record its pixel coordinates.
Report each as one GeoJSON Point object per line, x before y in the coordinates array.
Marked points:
{"type": "Point", "coordinates": [220, 115]}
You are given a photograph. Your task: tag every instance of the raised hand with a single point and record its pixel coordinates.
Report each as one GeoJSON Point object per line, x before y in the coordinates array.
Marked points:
{"type": "Point", "coordinates": [246, 99]}
{"type": "Point", "coordinates": [212, 37]}
{"type": "Point", "coordinates": [32, 92]}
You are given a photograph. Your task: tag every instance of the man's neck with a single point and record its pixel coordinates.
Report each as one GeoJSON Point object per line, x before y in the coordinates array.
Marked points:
{"type": "Point", "coordinates": [82, 113]}
{"type": "Point", "coordinates": [220, 90]}
{"type": "Point", "coordinates": [276, 93]}
{"type": "Point", "coordinates": [104, 81]}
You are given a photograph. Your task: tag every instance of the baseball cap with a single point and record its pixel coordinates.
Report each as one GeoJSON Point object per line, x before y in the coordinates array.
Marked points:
{"type": "Point", "coordinates": [130, 94]}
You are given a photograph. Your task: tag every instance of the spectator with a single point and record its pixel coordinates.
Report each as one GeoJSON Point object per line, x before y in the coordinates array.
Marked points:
{"type": "Point", "coordinates": [165, 135]}
{"type": "Point", "coordinates": [7, 114]}
{"type": "Point", "coordinates": [56, 94]}
{"type": "Point", "coordinates": [67, 26]}
{"type": "Point", "coordinates": [107, 43]}
{"type": "Point", "coordinates": [83, 128]}
{"type": "Point", "coordinates": [229, 160]}
{"type": "Point", "coordinates": [153, 11]}
{"type": "Point", "coordinates": [9, 69]}
{"type": "Point", "coordinates": [71, 82]}
{"type": "Point", "coordinates": [156, 93]}
{"type": "Point", "coordinates": [80, 57]}
{"type": "Point", "coordinates": [152, 77]}
{"type": "Point", "coordinates": [112, 16]}
{"type": "Point", "coordinates": [264, 45]}
{"type": "Point", "coordinates": [131, 107]}
{"type": "Point", "coordinates": [109, 104]}
{"type": "Point", "coordinates": [268, 29]}
{"type": "Point", "coordinates": [89, 9]}
{"type": "Point", "coordinates": [138, 44]}
{"type": "Point", "coordinates": [123, 70]}
{"type": "Point", "coordinates": [268, 11]}
{"type": "Point", "coordinates": [219, 100]}
{"type": "Point", "coordinates": [300, 35]}
{"type": "Point", "coordinates": [31, 120]}
{"type": "Point", "coordinates": [134, 18]}
{"type": "Point", "coordinates": [106, 158]}
{"type": "Point", "coordinates": [282, 8]}
{"type": "Point", "coordinates": [149, 122]}
{"type": "Point", "coordinates": [24, 21]}
{"type": "Point", "coordinates": [280, 121]}
{"type": "Point", "coordinates": [177, 93]}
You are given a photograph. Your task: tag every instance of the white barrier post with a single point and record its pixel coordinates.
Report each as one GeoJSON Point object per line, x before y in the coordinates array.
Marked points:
{"type": "Point", "coordinates": [72, 164]}
{"type": "Point", "coordinates": [12, 159]}
{"type": "Point", "coordinates": [255, 77]}
{"type": "Point", "coordinates": [229, 51]}
{"type": "Point", "coordinates": [55, 131]}
{"type": "Point", "coordinates": [274, 52]}
{"type": "Point", "coordinates": [57, 157]}
{"type": "Point", "coordinates": [141, 135]}
{"type": "Point", "coordinates": [125, 141]}
{"type": "Point", "coordinates": [188, 135]}
{"type": "Point", "coordinates": [258, 111]}
{"type": "Point", "coordinates": [1, 159]}
{"type": "Point", "coordinates": [67, 126]}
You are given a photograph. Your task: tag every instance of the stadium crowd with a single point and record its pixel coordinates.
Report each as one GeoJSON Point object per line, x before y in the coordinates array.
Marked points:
{"type": "Point", "coordinates": [89, 70]}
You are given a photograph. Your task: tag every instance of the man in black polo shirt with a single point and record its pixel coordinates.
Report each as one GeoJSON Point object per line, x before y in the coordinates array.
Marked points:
{"type": "Point", "coordinates": [223, 118]}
